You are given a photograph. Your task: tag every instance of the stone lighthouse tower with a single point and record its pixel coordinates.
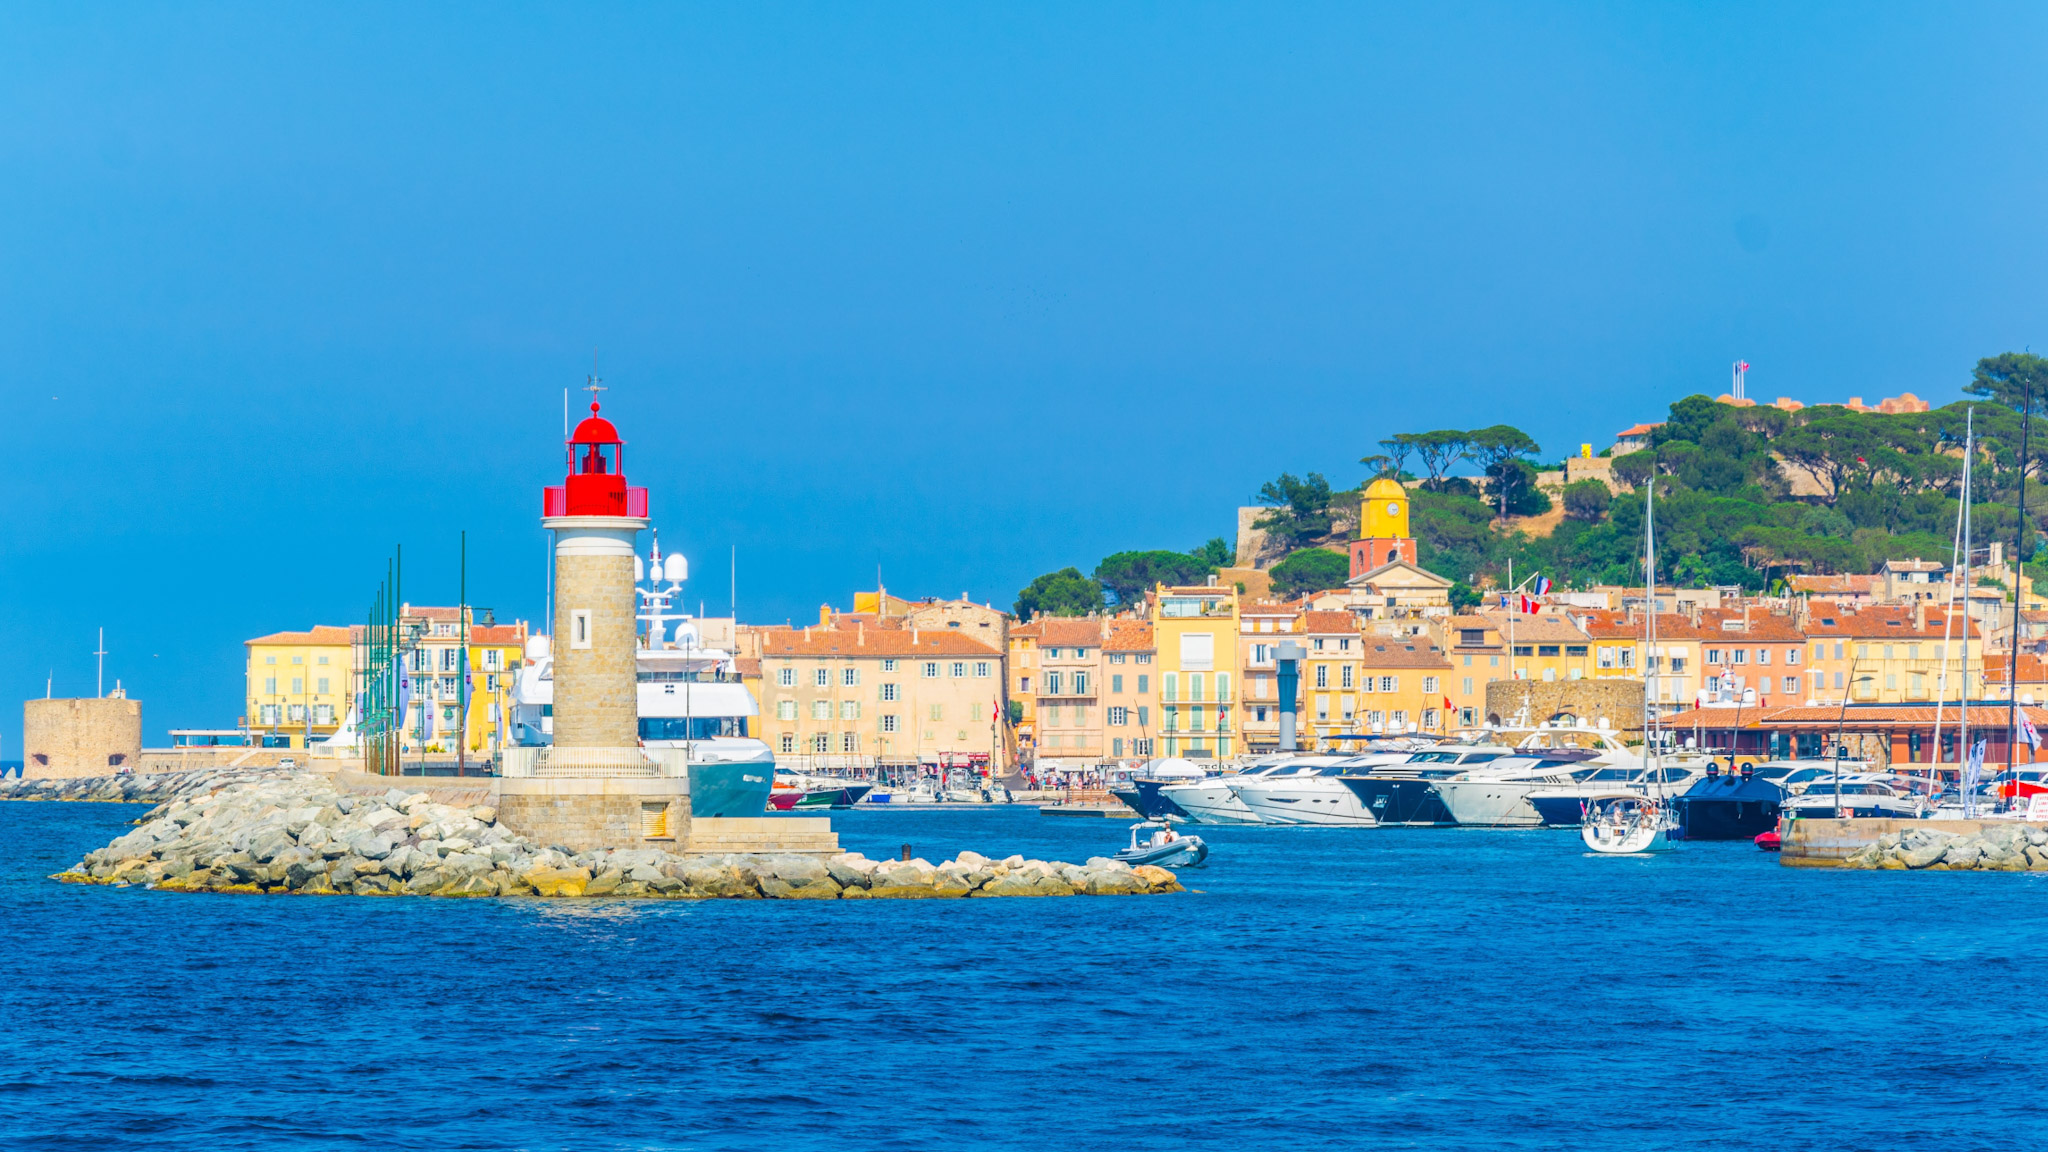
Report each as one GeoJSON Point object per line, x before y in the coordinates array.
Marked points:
{"type": "Point", "coordinates": [595, 787]}
{"type": "Point", "coordinates": [595, 518]}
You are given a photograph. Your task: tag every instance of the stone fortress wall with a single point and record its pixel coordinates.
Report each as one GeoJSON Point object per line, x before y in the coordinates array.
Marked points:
{"type": "Point", "coordinates": [85, 737]}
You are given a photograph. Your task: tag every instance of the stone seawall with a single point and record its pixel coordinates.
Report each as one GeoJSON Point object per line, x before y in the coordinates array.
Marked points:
{"type": "Point", "coordinates": [1936, 845]}
{"type": "Point", "coordinates": [300, 835]}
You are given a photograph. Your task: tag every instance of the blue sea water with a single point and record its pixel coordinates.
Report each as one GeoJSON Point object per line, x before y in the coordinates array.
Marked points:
{"type": "Point", "coordinates": [1397, 988]}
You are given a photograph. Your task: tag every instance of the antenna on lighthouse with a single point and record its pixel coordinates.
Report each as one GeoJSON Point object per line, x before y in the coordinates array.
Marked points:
{"type": "Point", "coordinates": [100, 689]}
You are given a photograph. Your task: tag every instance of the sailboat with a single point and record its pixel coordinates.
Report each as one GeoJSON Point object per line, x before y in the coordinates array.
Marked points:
{"type": "Point", "coordinates": [1634, 825]}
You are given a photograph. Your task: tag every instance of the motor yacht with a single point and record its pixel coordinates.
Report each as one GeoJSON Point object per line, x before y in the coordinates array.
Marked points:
{"type": "Point", "coordinates": [1405, 792]}
{"type": "Point", "coordinates": [1861, 796]}
{"type": "Point", "coordinates": [1566, 806]}
{"type": "Point", "coordinates": [1497, 795]}
{"type": "Point", "coordinates": [1212, 801]}
{"type": "Point", "coordinates": [1320, 798]}
{"type": "Point", "coordinates": [1728, 806]}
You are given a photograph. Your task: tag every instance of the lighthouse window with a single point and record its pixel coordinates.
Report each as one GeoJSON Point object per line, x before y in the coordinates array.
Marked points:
{"type": "Point", "coordinates": [579, 628]}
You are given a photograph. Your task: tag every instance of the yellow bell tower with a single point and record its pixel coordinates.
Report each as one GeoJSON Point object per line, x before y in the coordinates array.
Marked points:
{"type": "Point", "coordinates": [1385, 515]}
{"type": "Point", "coordinates": [1382, 528]}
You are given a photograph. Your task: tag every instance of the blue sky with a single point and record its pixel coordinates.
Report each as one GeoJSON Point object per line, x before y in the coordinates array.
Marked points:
{"type": "Point", "coordinates": [965, 292]}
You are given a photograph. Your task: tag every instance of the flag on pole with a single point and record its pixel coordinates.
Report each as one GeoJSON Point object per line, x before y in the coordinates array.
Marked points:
{"type": "Point", "coordinates": [1542, 586]}
{"type": "Point", "coordinates": [1973, 768]}
{"type": "Point", "coordinates": [2027, 732]}
{"type": "Point", "coordinates": [1448, 706]}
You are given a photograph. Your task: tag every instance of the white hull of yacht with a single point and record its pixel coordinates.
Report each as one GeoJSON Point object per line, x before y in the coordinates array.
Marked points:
{"type": "Point", "coordinates": [1312, 800]}
{"type": "Point", "coordinates": [1628, 840]}
{"type": "Point", "coordinates": [1492, 803]}
{"type": "Point", "coordinates": [1210, 802]}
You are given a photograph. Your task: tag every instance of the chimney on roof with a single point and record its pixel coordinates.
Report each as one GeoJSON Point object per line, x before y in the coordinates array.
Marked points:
{"type": "Point", "coordinates": [913, 637]}
{"type": "Point", "coordinates": [1919, 615]}
{"type": "Point", "coordinates": [860, 634]}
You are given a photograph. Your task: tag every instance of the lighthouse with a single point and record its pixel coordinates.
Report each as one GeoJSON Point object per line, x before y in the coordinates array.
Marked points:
{"type": "Point", "coordinates": [595, 517]}
{"type": "Point", "coordinates": [595, 787]}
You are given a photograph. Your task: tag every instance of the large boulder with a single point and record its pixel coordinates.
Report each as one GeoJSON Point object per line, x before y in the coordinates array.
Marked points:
{"type": "Point", "coordinates": [546, 881]}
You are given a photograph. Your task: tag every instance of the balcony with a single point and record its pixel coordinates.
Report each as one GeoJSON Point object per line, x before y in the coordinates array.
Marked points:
{"type": "Point", "coordinates": [594, 500]}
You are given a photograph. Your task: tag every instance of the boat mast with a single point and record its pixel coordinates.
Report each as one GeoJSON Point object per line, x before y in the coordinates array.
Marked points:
{"type": "Point", "coordinates": [1958, 564]}
{"type": "Point", "coordinates": [1650, 628]}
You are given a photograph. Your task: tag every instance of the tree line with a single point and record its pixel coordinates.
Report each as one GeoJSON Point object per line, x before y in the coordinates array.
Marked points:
{"type": "Point", "coordinates": [1872, 486]}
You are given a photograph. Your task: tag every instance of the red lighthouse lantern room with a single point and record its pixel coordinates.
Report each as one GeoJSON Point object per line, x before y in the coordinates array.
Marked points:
{"type": "Point", "coordinates": [596, 483]}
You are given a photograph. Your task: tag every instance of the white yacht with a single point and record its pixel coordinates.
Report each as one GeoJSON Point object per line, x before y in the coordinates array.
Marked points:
{"type": "Point", "coordinates": [1864, 795]}
{"type": "Point", "coordinates": [1497, 796]}
{"type": "Point", "coordinates": [1321, 798]}
{"type": "Point", "coordinates": [1211, 801]}
{"type": "Point", "coordinates": [1566, 805]}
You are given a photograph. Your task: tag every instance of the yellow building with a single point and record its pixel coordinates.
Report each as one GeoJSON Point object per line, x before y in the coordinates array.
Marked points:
{"type": "Point", "coordinates": [435, 666]}
{"type": "Point", "coordinates": [299, 686]}
{"type": "Point", "coordinates": [1195, 630]}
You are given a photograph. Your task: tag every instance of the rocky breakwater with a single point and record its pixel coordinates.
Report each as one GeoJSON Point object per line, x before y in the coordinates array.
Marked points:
{"type": "Point", "coordinates": [126, 788]}
{"type": "Point", "coordinates": [1994, 848]}
{"type": "Point", "coordinates": [297, 834]}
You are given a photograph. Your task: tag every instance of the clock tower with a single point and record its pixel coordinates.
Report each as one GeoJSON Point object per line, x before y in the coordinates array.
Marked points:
{"type": "Point", "coordinates": [1382, 528]}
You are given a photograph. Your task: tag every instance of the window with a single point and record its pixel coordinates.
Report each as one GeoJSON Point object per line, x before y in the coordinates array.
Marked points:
{"type": "Point", "coordinates": [1144, 685]}
{"type": "Point", "coordinates": [888, 665]}
{"type": "Point", "coordinates": [849, 742]}
{"type": "Point", "coordinates": [1468, 685]}
{"type": "Point", "coordinates": [1862, 652]}
{"type": "Point", "coordinates": [785, 709]}
{"type": "Point", "coordinates": [938, 712]}
{"type": "Point", "coordinates": [890, 693]}
{"type": "Point", "coordinates": [1763, 656]}
{"type": "Point", "coordinates": [1525, 649]}
{"type": "Point", "coordinates": [320, 686]}
{"type": "Point", "coordinates": [1145, 658]}
{"type": "Point", "coordinates": [1050, 716]}
{"type": "Point", "coordinates": [822, 677]}
{"type": "Point", "coordinates": [1319, 643]}
{"type": "Point", "coordinates": [959, 669]}
{"type": "Point", "coordinates": [1116, 747]}
{"type": "Point", "coordinates": [1116, 683]}
{"type": "Point", "coordinates": [491, 659]}
{"type": "Point", "coordinates": [1791, 655]}
{"type": "Point", "coordinates": [982, 669]}
{"type": "Point", "coordinates": [1399, 719]}
{"type": "Point", "coordinates": [1546, 649]}
{"type": "Point", "coordinates": [1578, 650]}
{"type": "Point", "coordinates": [1678, 665]}
{"type": "Point", "coordinates": [1429, 685]}
{"type": "Point", "coordinates": [298, 659]}
{"type": "Point", "coordinates": [1142, 747]}
{"type": "Point", "coordinates": [1052, 653]}
{"type": "Point", "coordinates": [849, 709]}
{"type": "Point", "coordinates": [889, 723]}
{"type": "Point", "coordinates": [1144, 715]}
{"type": "Point", "coordinates": [1791, 685]}
{"type": "Point", "coordinates": [296, 713]}
{"type": "Point", "coordinates": [1116, 657]}
{"type": "Point", "coordinates": [579, 627]}
{"type": "Point", "coordinates": [1322, 707]}
{"type": "Point", "coordinates": [1322, 675]}
{"type": "Point", "coordinates": [270, 659]}
{"type": "Point", "coordinates": [821, 743]}
{"type": "Point", "coordinates": [1024, 684]}
{"type": "Point", "coordinates": [270, 685]}
{"type": "Point", "coordinates": [931, 670]}
{"type": "Point", "coordinates": [1740, 655]}
{"type": "Point", "coordinates": [787, 743]}
{"type": "Point", "coordinates": [1347, 706]}
{"type": "Point", "coordinates": [1118, 717]}
{"type": "Point", "coordinates": [1387, 683]}
{"type": "Point", "coordinates": [271, 714]}
{"type": "Point", "coordinates": [1628, 657]}
{"type": "Point", "coordinates": [447, 660]}
{"type": "Point", "coordinates": [785, 677]}
{"type": "Point", "coordinates": [848, 677]}
{"type": "Point", "coordinates": [1346, 677]}
{"type": "Point", "coordinates": [323, 713]}
{"type": "Point", "coordinates": [1493, 661]}
{"type": "Point", "coordinates": [1171, 720]}
{"type": "Point", "coordinates": [1080, 683]}
{"type": "Point", "coordinates": [1052, 683]}
{"type": "Point", "coordinates": [1606, 657]}
{"type": "Point", "coordinates": [821, 709]}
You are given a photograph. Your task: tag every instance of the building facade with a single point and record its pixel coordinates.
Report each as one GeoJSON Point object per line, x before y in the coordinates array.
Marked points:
{"type": "Point", "coordinates": [865, 696]}
{"type": "Point", "coordinates": [1196, 630]}
{"type": "Point", "coordinates": [298, 687]}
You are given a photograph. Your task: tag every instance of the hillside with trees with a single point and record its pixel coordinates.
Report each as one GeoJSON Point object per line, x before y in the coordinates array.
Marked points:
{"type": "Point", "coordinates": [1746, 496]}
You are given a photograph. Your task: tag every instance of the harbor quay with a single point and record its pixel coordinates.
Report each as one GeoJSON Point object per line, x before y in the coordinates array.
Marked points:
{"type": "Point", "coordinates": [1917, 845]}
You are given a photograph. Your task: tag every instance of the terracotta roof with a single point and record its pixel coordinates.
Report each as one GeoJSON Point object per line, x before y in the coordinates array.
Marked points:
{"type": "Point", "coordinates": [1327, 622]}
{"type": "Point", "coordinates": [494, 634]}
{"type": "Point", "coordinates": [1070, 632]}
{"type": "Point", "coordinates": [1604, 624]}
{"type": "Point", "coordinates": [422, 612]}
{"type": "Point", "coordinates": [320, 634]}
{"type": "Point", "coordinates": [1637, 430]}
{"type": "Point", "coordinates": [1539, 628]}
{"type": "Point", "coordinates": [1879, 622]}
{"type": "Point", "coordinates": [1821, 585]}
{"type": "Point", "coordinates": [747, 666]}
{"type": "Point", "coordinates": [1030, 631]}
{"type": "Point", "coordinates": [1130, 636]}
{"type": "Point", "coordinates": [2033, 669]}
{"type": "Point", "coordinates": [1395, 654]}
{"type": "Point", "coordinates": [1761, 627]}
{"type": "Point", "coordinates": [833, 642]}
